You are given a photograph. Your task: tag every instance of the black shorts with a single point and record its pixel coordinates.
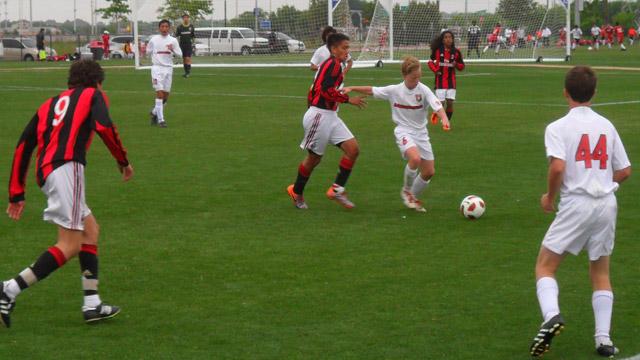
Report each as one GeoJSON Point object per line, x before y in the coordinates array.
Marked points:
{"type": "Point", "coordinates": [186, 50]}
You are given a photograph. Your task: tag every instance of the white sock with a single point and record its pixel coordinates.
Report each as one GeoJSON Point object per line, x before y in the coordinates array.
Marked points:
{"type": "Point", "coordinates": [602, 301]}
{"type": "Point", "coordinates": [547, 290]}
{"type": "Point", "coordinates": [158, 110]}
{"type": "Point", "coordinates": [409, 177]}
{"type": "Point", "coordinates": [11, 288]}
{"type": "Point", "coordinates": [91, 301]}
{"type": "Point", "coordinates": [485, 49]}
{"type": "Point", "coordinates": [419, 184]}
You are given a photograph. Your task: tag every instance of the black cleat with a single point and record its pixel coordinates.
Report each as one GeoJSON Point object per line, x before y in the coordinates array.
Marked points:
{"type": "Point", "coordinates": [548, 330]}
{"type": "Point", "coordinates": [100, 312]}
{"type": "Point", "coordinates": [162, 124]}
{"type": "Point", "coordinates": [6, 307]}
{"type": "Point", "coordinates": [607, 350]}
{"type": "Point", "coordinates": [154, 119]}
{"type": "Point", "coordinates": [185, 75]}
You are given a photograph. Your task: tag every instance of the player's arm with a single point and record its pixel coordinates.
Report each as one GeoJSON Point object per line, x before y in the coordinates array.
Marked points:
{"type": "Point", "coordinates": [176, 48]}
{"type": "Point", "coordinates": [436, 105]}
{"type": "Point", "coordinates": [21, 158]}
{"type": "Point", "coordinates": [435, 67]}
{"type": "Point", "coordinates": [459, 61]}
{"type": "Point", "coordinates": [109, 134]}
{"type": "Point", "coordinates": [621, 175]}
{"type": "Point", "coordinates": [554, 181]}
{"type": "Point", "coordinates": [366, 90]}
{"type": "Point", "coordinates": [329, 92]}
{"type": "Point", "coordinates": [620, 162]}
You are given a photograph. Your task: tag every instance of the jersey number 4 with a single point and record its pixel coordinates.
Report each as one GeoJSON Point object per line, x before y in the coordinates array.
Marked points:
{"type": "Point", "coordinates": [585, 154]}
{"type": "Point", "coordinates": [60, 110]}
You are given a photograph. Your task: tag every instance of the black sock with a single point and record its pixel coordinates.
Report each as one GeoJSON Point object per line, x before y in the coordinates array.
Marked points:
{"type": "Point", "coordinates": [88, 257]}
{"type": "Point", "coordinates": [301, 180]}
{"type": "Point", "coordinates": [186, 68]}
{"type": "Point", "coordinates": [344, 171]}
{"type": "Point", "coordinates": [48, 262]}
{"type": "Point", "coordinates": [449, 114]}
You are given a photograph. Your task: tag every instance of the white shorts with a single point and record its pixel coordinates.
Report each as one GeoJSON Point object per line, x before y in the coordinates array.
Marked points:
{"type": "Point", "coordinates": [407, 138]}
{"type": "Point", "coordinates": [322, 127]}
{"type": "Point", "coordinates": [161, 77]}
{"type": "Point", "coordinates": [443, 94]}
{"type": "Point", "coordinates": [64, 189]}
{"type": "Point", "coordinates": [583, 222]}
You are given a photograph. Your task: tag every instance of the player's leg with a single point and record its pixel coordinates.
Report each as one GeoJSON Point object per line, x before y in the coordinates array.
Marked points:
{"type": "Point", "coordinates": [547, 290]}
{"type": "Point", "coordinates": [451, 98]}
{"type": "Point", "coordinates": [93, 308]}
{"type": "Point", "coordinates": [602, 302]}
{"type": "Point", "coordinates": [305, 169]}
{"type": "Point", "coordinates": [351, 151]}
{"type": "Point", "coordinates": [427, 170]}
{"type": "Point", "coordinates": [412, 155]}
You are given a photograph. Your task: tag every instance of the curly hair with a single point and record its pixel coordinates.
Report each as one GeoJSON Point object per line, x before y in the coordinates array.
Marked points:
{"type": "Point", "coordinates": [437, 42]}
{"type": "Point", "coordinates": [85, 73]}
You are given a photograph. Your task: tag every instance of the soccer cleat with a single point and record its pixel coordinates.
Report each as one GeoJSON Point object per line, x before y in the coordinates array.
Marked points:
{"type": "Point", "coordinates": [185, 75]}
{"type": "Point", "coordinates": [100, 312]}
{"type": "Point", "coordinates": [154, 118]}
{"type": "Point", "coordinates": [548, 330]}
{"type": "Point", "coordinates": [6, 307]}
{"type": "Point", "coordinates": [338, 194]}
{"type": "Point", "coordinates": [407, 198]}
{"type": "Point", "coordinates": [162, 124]}
{"type": "Point", "coordinates": [607, 350]}
{"type": "Point", "coordinates": [298, 200]}
{"type": "Point", "coordinates": [417, 206]}
{"type": "Point", "coordinates": [434, 118]}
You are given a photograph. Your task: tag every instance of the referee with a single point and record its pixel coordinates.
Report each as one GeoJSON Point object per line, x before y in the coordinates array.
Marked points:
{"type": "Point", "coordinates": [473, 38]}
{"type": "Point", "coordinates": [185, 33]}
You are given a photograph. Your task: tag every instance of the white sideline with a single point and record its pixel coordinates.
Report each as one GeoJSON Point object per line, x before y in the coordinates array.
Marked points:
{"type": "Point", "coordinates": [9, 88]}
{"type": "Point", "coordinates": [634, 357]}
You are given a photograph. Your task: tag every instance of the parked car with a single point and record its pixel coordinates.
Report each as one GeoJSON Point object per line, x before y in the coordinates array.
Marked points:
{"type": "Point", "coordinates": [229, 40]}
{"type": "Point", "coordinates": [283, 42]}
{"type": "Point", "coordinates": [23, 49]}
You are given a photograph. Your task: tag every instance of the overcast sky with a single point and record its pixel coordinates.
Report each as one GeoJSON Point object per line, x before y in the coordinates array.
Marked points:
{"type": "Point", "coordinates": [62, 10]}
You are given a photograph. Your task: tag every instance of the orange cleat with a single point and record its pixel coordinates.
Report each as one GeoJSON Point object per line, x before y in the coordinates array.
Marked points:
{"type": "Point", "coordinates": [298, 200]}
{"type": "Point", "coordinates": [338, 194]}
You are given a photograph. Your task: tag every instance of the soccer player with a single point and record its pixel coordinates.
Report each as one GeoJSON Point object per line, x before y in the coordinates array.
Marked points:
{"type": "Point", "coordinates": [409, 101]}
{"type": "Point", "coordinates": [473, 41]}
{"type": "Point", "coordinates": [162, 48]}
{"type": "Point", "coordinates": [322, 53]}
{"type": "Point", "coordinates": [62, 130]}
{"type": "Point", "coordinates": [595, 34]}
{"type": "Point", "coordinates": [445, 60]}
{"type": "Point", "coordinates": [576, 33]}
{"type": "Point", "coordinates": [608, 32]}
{"type": "Point", "coordinates": [493, 39]}
{"type": "Point", "coordinates": [587, 164]}
{"type": "Point", "coordinates": [619, 31]}
{"type": "Point", "coordinates": [632, 33]}
{"type": "Point", "coordinates": [185, 33]}
{"type": "Point", "coordinates": [546, 34]}
{"type": "Point", "coordinates": [322, 125]}
{"type": "Point", "coordinates": [105, 43]}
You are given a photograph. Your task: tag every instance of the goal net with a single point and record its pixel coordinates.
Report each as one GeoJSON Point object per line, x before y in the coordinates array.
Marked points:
{"type": "Point", "coordinates": [500, 30]}
{"type": "Point", "coordinates": [264, 33]}
{"type": "Point", "coordinates": [248, 32]}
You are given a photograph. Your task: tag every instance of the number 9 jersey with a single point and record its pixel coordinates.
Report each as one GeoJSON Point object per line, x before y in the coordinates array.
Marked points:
{"type": "Point", "coordinates": [62, 129]}
{"type": "Point", "coordinates": [592, 150]}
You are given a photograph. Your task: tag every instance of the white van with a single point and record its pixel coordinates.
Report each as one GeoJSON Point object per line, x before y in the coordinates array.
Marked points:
{"type": "Point", "coordinates": [229, 40]}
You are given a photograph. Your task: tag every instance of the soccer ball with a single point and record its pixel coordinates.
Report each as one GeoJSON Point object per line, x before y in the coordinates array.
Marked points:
{"type": "Point", "coordinates": [589, 48]}
{"type": "Point", "coordinates": [472, 207]}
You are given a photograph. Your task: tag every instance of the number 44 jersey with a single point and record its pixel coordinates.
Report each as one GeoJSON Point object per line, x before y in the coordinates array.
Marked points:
{"type": "Point", "coordinates": [592, 150]}
{"type": "Point", "coordinates": [62, 129]}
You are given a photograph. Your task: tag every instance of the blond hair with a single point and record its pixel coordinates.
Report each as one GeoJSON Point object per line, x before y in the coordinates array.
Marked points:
{"type": "Point", "coordinates": [409, 65]}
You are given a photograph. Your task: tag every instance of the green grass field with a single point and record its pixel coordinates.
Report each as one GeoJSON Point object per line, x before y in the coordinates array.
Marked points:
{"type": "Point", "coordinates": [208, 258]}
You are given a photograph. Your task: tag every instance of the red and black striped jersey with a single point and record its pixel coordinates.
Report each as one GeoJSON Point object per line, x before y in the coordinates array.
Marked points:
{"type": "Point", "coordinates": [444, 63]}
{"type": "Point", "coordinates": [62, 129]}
{"type": "Point", "coordinates": [324, 92]}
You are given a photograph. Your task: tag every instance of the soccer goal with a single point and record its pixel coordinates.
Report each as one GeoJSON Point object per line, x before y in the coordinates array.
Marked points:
{"type": "Point", "coordinates": [281, 33]}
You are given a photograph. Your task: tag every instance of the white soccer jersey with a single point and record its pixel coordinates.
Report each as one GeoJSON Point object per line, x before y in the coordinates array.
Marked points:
{"type": "Point", "coordinates": [592, 150]}
{"type": "Point", "coordinates": [158, 48]}
{"type": "Point", "coordinates": [409, 106]}
{"type": "Point", "coordinates": [321, 54]}
{"type": "Point", "coordinates": [595, 31]}
{"type": "Point", "coordinates": [576, 33]}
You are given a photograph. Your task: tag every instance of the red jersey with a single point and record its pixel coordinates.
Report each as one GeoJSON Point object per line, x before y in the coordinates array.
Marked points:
{"type": "Point", "coordinates": [105, 41]}
{"type": "Point", "coordinates": [442, 64]}
{"type": "Point", "coordinates": [632, 32]}
{"type": "Point", "coordinates": [62, 129]}
{"type": "Point", "coordinates": [495, 34]}
{"type": "Point", "coordinates": [324, 93]}
{"type": "Point", "coordinates": [609, 30]}
{"type": "Point", "coordinates": [619, 31]}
